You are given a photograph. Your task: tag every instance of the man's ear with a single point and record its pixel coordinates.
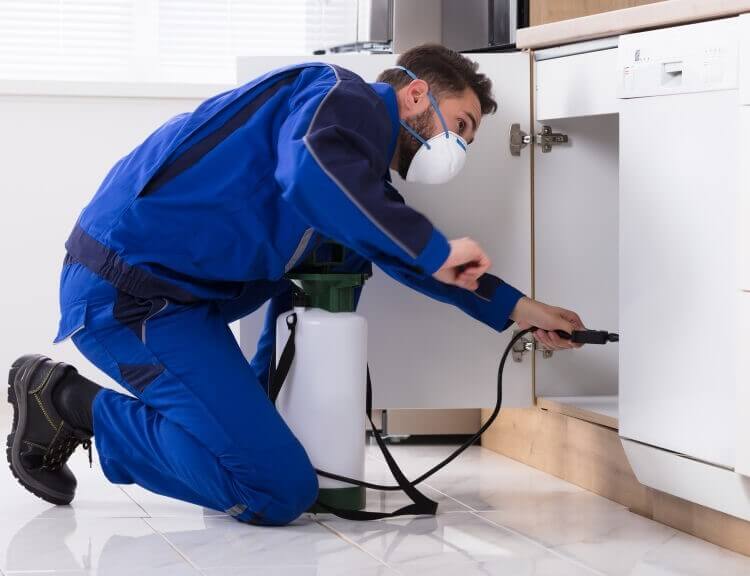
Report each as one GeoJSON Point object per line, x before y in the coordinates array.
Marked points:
{"type": "Point", "coordinates": [413, 99]}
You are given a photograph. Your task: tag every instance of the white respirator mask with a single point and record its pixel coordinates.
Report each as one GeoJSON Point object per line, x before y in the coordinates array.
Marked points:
{"type": "Point", "coordinates": [441, 157]}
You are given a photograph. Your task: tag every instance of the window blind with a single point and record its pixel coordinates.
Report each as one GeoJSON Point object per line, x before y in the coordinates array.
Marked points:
{"type": "Point", "coordinates": [161, 40]}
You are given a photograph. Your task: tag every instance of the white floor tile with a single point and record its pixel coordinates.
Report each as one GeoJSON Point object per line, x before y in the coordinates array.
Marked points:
{"type": "Point", "coordinates": [591, 530]}
{"type": "Point", "coordinates": [456, 539]}
{"type": "Point", "coordinates": [496, 516]}
{"type": "Point", "coordinates": [95, 495]}
{"type": "Point", "coordinates": [684, 554]}
{"type": "Point", "coordinates": [548, 566]}
{"type": "Point", "coordinates": [215, 542]}
{"type": "Point", "coordinates": [554, 518]}
{"type": "Point", "coordinates": [302, 571]}
{"type": "Point", "coordinates": [176, 570]}
{"type": "Point", "coordinates": [155, 505]}
{"type": "Point", "coordinates": [620, 543]}
{"type": "Point", "coordinates": [385, 501]}
{"type": "Point", "coordinates": [479, 478]}
{"type": "Point", "coordinates": [101, 545]}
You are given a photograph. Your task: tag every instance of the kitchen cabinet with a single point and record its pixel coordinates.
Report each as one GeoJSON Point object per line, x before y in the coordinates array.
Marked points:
{"type": "Point", "coordinates": [677, 204]}
{"type": "Point", "coordinates": [609, 224]}
{"type": "Point", "coordinates": [576, 222]}
{"type": "Point", "coordinates": [679, 198]}
{"type": "Point", "coordinates": [683, 183]}
{"type": "Point", "coordinates": [582, 83]}
{"type": "Point", "coordinates": [424, 354]}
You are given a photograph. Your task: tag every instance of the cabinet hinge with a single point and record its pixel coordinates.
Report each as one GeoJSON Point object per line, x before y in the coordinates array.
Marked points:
{"type": "Point", "coordinates": [528, 344]}
{"type": "Point", "coordinates": [546, 138]}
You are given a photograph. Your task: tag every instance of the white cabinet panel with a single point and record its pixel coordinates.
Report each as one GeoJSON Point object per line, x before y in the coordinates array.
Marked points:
{"type": "Point", "coordinates": [744, 35]}
{"type": "Point", "coordinates": [424, 354]}
{"type": "Point", "coordinates": [744, 208]}
{"type": "Point", "coordinates": [710, 486]}
{"type": "Point", "coordinates": [742, 405]}
{"type": "Point", "coordinates": [678, 277]}
{"type": "Point", "coordinates": [578, 85]}
{"type": "Point", "coordinates": [699, 57]}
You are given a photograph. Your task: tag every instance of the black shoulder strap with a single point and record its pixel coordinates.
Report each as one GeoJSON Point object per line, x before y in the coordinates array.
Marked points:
{"type": "Point", "coordinates": [278, 374]}
{"type": "Point", "coordinates": [421, 504]}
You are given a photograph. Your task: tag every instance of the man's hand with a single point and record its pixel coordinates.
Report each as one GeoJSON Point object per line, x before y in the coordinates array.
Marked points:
{"type": "Point", "coordinates": [547, 319]}
{"type": "Point", "coordinates": [465, 264]}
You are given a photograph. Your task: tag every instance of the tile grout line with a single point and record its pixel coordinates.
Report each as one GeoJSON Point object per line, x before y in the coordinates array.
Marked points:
{"type": "Point", "coordinates": [147, 515]}
{"type": "Point", "coordinates": [552, 551]}
{"type": "Point", "coordinates": [479, 510]}
{"type": "Point", "coordinates": [468, 508]}
{"type": "Point", "coordinates": [353, 543]}
{"type": "Point", "coordinates": [431, 487]}
{"type": "Point", "coordinates": [171, 545]}
{"type": "Point", "coordinates": [472, 509]}
{"type": "Point", "coordinates": [174, 515]}
{"type": "Point", "coordinates": [51, 571]}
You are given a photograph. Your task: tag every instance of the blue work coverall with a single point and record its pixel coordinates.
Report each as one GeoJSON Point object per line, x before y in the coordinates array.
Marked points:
{"type": "Point", "coordinates": [196, 228]}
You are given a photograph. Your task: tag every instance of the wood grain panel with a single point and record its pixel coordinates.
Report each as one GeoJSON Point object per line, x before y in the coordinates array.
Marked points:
{"type": "Point", "coordinates": [582, 412]}
{"type": "Point", "coordinates": [592, 456]}
{"type": "Point", "coordinates": [546, 11]}
{"type": "Point", "coordinates": [626, 20]}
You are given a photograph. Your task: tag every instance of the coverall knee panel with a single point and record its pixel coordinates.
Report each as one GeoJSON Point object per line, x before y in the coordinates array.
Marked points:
{"type": "Point", "coordinates": [201, 427]}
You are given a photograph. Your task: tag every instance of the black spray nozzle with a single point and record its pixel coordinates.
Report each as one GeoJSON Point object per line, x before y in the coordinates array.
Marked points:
{"type": "Point", "coordinates": [589, 336]}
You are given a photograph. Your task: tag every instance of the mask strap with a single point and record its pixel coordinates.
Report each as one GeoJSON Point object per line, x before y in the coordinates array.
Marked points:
{"type": "Point", "coordinates": [415, 134]}
{"type": "Point", "coordinates": [434, 104]}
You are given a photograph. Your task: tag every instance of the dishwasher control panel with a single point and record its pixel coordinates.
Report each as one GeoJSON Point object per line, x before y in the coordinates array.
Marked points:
{"type": "Point", "coordinates": [694, 58]}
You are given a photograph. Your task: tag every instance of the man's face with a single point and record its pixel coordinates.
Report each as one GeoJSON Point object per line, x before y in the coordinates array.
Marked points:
{"type": "Point", "coordinates": [462, 113]}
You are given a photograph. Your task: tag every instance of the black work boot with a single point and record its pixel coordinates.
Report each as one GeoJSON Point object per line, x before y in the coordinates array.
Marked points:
{"type": "Point", "coordinates": [41, 441]}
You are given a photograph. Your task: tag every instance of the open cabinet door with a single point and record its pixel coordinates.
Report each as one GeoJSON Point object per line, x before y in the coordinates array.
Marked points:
{"type": "Point", "coordinates": [575, 224]}
{"type": "Point", "coordinates": [422, 353]}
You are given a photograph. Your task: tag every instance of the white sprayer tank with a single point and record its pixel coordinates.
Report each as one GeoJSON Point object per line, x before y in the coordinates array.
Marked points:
{"type": "Point", "coordinates": [323, 398]}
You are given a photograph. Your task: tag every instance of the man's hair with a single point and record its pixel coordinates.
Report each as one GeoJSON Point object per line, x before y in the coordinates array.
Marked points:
{"type": "Point", "coordinates": [446, 71]}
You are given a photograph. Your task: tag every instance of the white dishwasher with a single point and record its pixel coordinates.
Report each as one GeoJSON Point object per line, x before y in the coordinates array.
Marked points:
{"type": "Point", "coordinates": [679, 239]}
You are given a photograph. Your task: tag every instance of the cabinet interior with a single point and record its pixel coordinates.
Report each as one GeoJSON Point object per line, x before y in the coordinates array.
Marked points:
{"type": "Point", "coordinates": [576, 262]}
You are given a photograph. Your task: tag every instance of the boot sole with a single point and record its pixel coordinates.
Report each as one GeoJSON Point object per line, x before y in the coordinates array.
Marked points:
{"type": "Point", "coordinates": [17, 396]}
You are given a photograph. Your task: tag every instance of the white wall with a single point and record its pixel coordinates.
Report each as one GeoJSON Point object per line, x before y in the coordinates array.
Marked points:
{"type": "Point", "coordinates": [54, 152]}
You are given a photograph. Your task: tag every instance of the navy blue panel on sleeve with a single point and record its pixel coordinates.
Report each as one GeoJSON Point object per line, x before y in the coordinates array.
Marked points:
{"type": "Point", "coordinates": [349, 138]}
{"type": "Point", "coordinates": [487, 286]}
{"type": "Point", "coordinates": [492, 304]}
{"type": "Point", "coordinates": [208, 143]}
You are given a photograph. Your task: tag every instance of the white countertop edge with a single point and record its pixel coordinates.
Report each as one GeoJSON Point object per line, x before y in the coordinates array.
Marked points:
{"type": "Point", "coordinates": [582, 47]}
{"type": "Point", "coordinates": [660, 14]}
{"type": "Point", "coordinates": [54, 88]}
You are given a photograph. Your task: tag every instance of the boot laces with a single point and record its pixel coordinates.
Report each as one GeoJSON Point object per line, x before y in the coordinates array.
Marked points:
{"type": "Point", "coordinates": [62, 448]}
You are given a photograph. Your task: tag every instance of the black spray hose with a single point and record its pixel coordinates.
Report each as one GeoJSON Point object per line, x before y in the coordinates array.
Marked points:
{"type": "Point", "coordinates": [455, 454]}
{"type": "Point", "coordinates": [578, 336]}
